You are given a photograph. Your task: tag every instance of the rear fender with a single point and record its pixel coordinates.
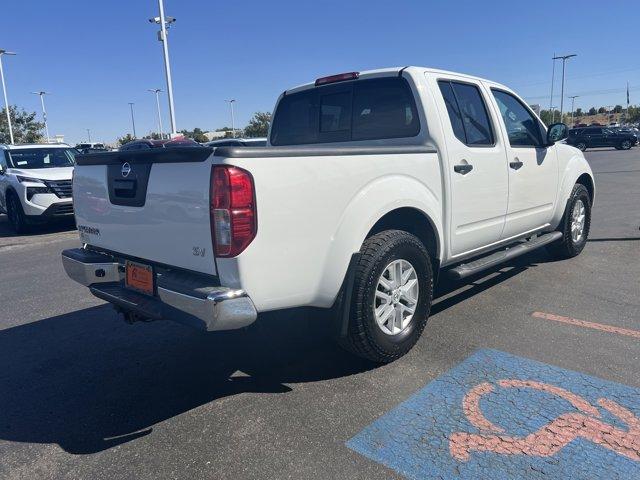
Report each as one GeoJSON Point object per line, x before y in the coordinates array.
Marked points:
{"type": "Point", "coordinates": [372, 202]}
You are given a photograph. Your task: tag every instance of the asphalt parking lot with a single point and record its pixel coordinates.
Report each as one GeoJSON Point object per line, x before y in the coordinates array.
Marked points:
{"type": "Point", "coordinates": [528, 371]}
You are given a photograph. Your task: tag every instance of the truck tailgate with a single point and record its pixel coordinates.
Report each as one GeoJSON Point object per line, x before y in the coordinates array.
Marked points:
{"type": "Point", "coordinates": [153, 205]}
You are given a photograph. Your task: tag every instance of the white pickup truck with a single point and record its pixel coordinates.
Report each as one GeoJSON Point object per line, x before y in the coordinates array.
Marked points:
{"type": "Point", "coordinates": [371, 185]}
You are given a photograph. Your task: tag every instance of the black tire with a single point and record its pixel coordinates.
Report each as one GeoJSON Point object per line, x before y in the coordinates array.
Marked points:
{"type": "Point", "coordinates": [364, 337]}
{"type": "Point", "coordinates": [625, 145]}
{"type": "Point", "coordinates": [581, 146]}
{"type": "Point", "coordinates": [566, 247]}
{"type": "Point", "coordinates": [16, 215]}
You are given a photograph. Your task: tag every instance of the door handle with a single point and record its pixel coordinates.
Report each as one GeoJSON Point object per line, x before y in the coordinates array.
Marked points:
{"type": "Point", "coordinates": [516, 164]}
{"type": "Point", "coordinates": [463, 168]}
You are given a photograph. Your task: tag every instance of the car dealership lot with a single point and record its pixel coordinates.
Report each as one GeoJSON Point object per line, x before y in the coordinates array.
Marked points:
{"type": "Point", "coordinates": [83, 395]}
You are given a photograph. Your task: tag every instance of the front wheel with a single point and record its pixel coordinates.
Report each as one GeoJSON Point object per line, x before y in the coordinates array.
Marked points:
{"type": "Point", "coordinates": [625, 145]}
{"type": "Point", "coordinates": [575, 224]}
{"type": "Point", "coordinates": [392, 292]}
{"type": "Point", "coordinates": [16, 215]}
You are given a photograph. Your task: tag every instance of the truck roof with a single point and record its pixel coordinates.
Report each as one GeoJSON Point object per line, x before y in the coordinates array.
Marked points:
{"type": "Point", "coordinates": [390, 71]}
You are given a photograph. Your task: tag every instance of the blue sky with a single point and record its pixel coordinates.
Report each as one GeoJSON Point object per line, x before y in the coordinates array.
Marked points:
{"type": "Point", "coordinates": [95, 56]}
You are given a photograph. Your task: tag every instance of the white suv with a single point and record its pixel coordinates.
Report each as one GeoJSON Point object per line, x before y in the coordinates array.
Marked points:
{"type": "Point", "coordinates": [35, 183]}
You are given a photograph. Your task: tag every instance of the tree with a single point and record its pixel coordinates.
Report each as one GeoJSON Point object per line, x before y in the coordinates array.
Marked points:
{"type": "Point", "coordinates": [602, 110]}
{"type": "Point", "coordinates": [24, 125]}
{"type": "Point", "coordinates": [617, 109]}
{"type": "Point", "coordinates": [126, 139]}
{"type": "Point", "coordinates": [579, 112]}
{"type": "Point", "coordinates": [152, 136]}
{"type": "Point", "coordinates": [546, 117]}
{"type": "Point", "coordinates": [197, 134]}
{"type": "Point", "coordinates": [592, 111]}
{"type": "Point", "coordinates": [258, 125]}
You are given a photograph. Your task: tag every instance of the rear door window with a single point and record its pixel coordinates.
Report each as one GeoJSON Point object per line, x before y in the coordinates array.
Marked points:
{"type": "Point", "coordinates": [452, 109]}
{"type": "Point", "coordinates": [359, 110]}
{"type": "Point", "coordinates": [467, 113]}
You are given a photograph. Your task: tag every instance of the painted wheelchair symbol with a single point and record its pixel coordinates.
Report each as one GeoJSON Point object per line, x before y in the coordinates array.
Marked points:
{"type": "Point", "coordinates": [552, 437]}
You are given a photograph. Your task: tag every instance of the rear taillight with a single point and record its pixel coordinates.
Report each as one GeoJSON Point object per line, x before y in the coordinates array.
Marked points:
{"type": "Point", "coordinates": [232, 210]}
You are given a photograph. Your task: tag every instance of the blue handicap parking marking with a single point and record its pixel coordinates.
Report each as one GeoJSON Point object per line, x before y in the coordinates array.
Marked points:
{"type": "Point", "coordinates": [499, 416]}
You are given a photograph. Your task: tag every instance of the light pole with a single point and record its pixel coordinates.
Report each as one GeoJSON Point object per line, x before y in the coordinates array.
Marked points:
{"type": "Point", "coordinates": [165, 23]}
{"type": "Point", "coordinates": [573, 99]}
{"type": "Point", "coordinates": [157, 92]}
{"type": "Point", "coordinates": [133, 120]}
{"type": "Point", "coordinates": [553, 78]}
{"type": "Point", "coordinates": [564, 60]}
{"type": "Point", "coordinates": [233, 124]}
{"type": "Point", "coordinates": [89, 135]}
{"type": "Point", "coordinates": [41, 94]}
{"type": "Point", "coordinates": [4, 90]}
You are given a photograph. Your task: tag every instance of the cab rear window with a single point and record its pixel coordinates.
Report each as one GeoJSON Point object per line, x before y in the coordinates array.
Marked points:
{"type": "Point", "coordinates": [348, 111]}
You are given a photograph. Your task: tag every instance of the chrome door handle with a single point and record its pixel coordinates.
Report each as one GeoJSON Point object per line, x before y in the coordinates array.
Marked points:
{"type": "Point", "coordinates": [516, 164]}
{"type": "Point", "coordinates": [463, 168]}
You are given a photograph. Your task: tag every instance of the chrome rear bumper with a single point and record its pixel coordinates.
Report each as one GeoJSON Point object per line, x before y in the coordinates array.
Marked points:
{"type": "Point", "coordinates": [187, 298]}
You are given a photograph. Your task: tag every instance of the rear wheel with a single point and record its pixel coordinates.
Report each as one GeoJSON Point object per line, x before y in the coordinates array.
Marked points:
{"type": "Point", "coordinates": [16, 215]}
{"type": "Point", "coordinates": [575, 224]}
{"type": "Point", "coordinates": [581, 146]}
{"type": "Point", "coordinates": [393, 287]}
{"type": "Point", "coordinates": [625, 145]}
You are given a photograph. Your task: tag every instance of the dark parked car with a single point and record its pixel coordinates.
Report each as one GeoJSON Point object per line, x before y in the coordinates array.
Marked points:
{"type": "Point", "coordinates": [589, 137]}
{"type": "Point", "coordinates": [91, 147]}
{"type": "Point", "coordinates": [145, 144]}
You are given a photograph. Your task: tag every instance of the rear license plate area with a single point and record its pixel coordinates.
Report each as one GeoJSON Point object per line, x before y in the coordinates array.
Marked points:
{"type": "Point", "coordinates": [139, 277]}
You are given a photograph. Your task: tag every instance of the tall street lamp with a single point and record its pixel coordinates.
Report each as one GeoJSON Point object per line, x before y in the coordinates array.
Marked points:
{"type": "Point", "coordinates": [41, 94]}
{"type": "Point", "coordinates": [165, 23]}
{"type": "Point", "coordinates": [233, 125]}
{"type": "Point", "coordinates": [157, 92]}
{"type": "Point", "coordinates": [573, 99]}
{"type": "Point", "coordinates": [133, 120]}
{"type": "Point", "coordinates": [4, 90]}
{"type": "Point", "coordinates": [564, 59]}
{"type": "Point", "coordinates": [89, 134]}
{"type": "Point", "coordinates": [553, 78]}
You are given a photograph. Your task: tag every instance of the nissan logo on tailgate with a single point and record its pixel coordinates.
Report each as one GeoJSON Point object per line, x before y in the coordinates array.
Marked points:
{"type": "Point", "coordinates": [126, 169]}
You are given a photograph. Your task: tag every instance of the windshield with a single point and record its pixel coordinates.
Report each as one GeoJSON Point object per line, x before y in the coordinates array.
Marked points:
{"type": "Point", "coordinates": [42, 158]}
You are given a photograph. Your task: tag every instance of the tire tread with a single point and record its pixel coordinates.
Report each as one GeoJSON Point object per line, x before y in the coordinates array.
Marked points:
{"type": "Point", "coordinates": [359, 340]}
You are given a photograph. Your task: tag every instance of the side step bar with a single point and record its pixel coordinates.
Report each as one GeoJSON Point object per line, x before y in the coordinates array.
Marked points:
{"type": "Point", "coordinates": [467, 269]}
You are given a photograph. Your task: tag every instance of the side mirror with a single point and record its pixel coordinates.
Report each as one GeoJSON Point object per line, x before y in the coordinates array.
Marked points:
{"type": "Point", "coordinates": [1, 169]}
{"type": "Point", "coordinates": [557, 132]}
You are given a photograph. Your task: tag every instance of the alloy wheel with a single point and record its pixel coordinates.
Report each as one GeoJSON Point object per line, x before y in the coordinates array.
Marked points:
{"type": "Point", "coordinates": [578, 216]}
{"type": "Point", "coordinates": [396, 297]}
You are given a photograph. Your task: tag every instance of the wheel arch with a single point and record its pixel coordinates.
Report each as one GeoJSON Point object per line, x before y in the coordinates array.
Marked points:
{"type": "Point", "coordinates": [576, 171]}
{"type": "Point", "coordinates": [416, 222]}
{"type": "Point", "coordinates": [587, 180]}
{"type": "Point", "coordinates": [10, 190]}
